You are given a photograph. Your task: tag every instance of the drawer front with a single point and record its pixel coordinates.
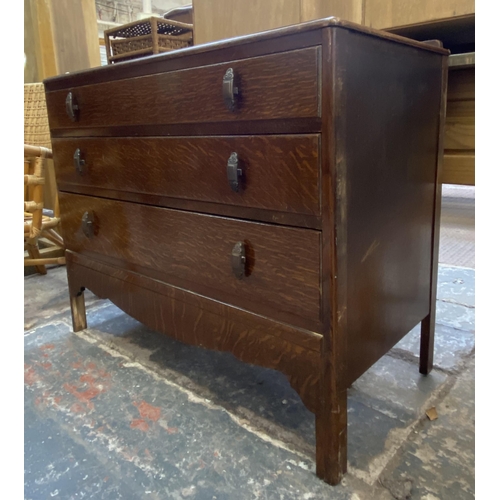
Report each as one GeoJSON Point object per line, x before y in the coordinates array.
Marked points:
{"type": "Point", "coordinates": [284, 85]}
{"type": "Point", "coordinates": [281, 276]}
{"type": "Point", "coordinates": [278, 173]}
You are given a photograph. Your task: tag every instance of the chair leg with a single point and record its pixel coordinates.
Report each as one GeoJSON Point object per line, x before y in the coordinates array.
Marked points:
{"type": "Point", "coordinates": [78, 313]}
{"type": "Point", "coordinates": [34, 253]}
{"type": "Point", "coordinates": [55, 238]}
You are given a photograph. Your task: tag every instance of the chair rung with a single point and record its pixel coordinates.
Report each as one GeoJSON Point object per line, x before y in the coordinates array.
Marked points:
{"type": "Point", "coordinates": [30, 180]}
{"type": "Point", "coordinates": [46, 224]}
{"type": "Point", "coordinates": [31, 206]}
{"type": "Point", "coordinates": [37, 151]}
{"type": "Point", "coordinates": [44, 262]}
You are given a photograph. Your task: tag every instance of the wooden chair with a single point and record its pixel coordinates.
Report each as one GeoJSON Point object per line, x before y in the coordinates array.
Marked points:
{"type": "Point", "coordinates": [38, 226]}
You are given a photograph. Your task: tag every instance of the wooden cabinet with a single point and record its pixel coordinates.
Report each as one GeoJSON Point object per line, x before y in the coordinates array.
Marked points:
{"type": "Point", "coordinates": [275, 196]}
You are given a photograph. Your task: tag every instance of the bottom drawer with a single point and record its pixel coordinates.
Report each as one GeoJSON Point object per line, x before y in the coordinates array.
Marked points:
{"type": "Point", "coordinates": [267, 269]}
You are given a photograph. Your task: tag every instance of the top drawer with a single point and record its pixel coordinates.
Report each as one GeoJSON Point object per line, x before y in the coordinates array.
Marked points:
{"type": "Point", "coordinates": [277, 86]}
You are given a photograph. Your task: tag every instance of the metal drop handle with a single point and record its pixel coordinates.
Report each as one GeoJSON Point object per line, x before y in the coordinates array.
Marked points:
{"type": "Point", "coordinates": [238, 260]}
{"type": "Point", "coordinates": [234, 172]}
{"type": "Point", "coordinates": [88, 224]}
{"type": "Point", "coordinates": [78, 161]}
{"type": "Point", "coordinates": [72, 108]}
{"type": "Point", "coordinates": [229, 90]}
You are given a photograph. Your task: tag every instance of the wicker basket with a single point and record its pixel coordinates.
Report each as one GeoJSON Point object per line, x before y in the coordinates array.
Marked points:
{"type": "Point", "coordinates": [36, 123]}
{"type": "Point", "coordinates": [146, 37]}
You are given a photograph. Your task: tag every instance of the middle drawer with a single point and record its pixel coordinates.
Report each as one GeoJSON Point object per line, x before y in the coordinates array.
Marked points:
{"type": "Point", "coordinates": [273, 172]}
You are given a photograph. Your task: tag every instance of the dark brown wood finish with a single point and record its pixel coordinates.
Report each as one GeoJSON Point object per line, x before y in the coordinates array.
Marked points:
{"type": "Point", "coordinates": [194, 251]}
{"type": "Point", "coordinates": [279, 173]}
{"type": "Point", "coordinates": [339, 136]}
{"type": "Point", "coordinates": [428, 324]}
{"type": "Point", "coordinates": [331, 417]}
{"type": "Point", "coordinates": [288, 126]}
{"type": "Point", "coordinates": [283, 85]}
{"type": "Point", "coordinates": [286, 38]}
{"type": "Point", "coordinates": [391, 149]}
{"type": "Point", "coordinates": [252, 214]}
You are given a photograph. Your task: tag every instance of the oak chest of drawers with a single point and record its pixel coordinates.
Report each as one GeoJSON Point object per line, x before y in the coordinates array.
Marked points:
{"type": "Point", "coordinates": [276, 196]}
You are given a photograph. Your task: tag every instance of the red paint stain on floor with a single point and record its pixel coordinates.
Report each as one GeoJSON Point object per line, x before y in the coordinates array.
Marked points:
{"type": "Point", "coordinates": [172, 430]}
{"type": "Point", "coordinates": [139, 423]}
{"type": "Point", "coordinates": [84, 396]}
{"type": "Point", "coordinates": [47, 347]}
{"type": "Point", "coordinates": [148, 411]}
{"type": "Point", "coordinates": [77, 408]}
{"type": "Point", "coordinates": [30, 376]}
{"type": "Point", "coordinates": [87, 382]}
{"type": "Point", "coordinates": [87, 378]}
{"type": "Point", "coordinates": [46, 365]}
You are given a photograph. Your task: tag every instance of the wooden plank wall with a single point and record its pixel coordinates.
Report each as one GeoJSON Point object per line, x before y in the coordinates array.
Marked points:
{"type": "Point", "coordinates": [218, 19]}
{"type": "Point", "coordinates": [390, 13]}
{"type": "Point", "coordinates": [215, 20]}
{"type": "Point", "coordinates": [459, 142]}
{"type": "Point", "coordinates": [59, 36]}
{"type": "Point", "coordinates": [350, 10]}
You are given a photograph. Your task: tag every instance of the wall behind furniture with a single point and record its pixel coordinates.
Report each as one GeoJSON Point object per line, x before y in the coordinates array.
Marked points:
{"type": "Point", "coordinates": [59, 36]}
{"type": "Point", "coordinates": [218, 19]}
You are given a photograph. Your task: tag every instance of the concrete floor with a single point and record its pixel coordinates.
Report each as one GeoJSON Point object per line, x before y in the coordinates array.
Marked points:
{"type": "Point", "coordinates": [118, 411]}
{"type": "Point", "coordinates": [458, 226]}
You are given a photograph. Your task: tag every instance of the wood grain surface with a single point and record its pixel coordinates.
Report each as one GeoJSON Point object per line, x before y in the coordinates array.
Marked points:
{"type": "Point", "coordinates": [276, 86]}
{"type": "Point", "coordinates": [193, 251]}
{"type": "Point", "coordinates": [391, 183]}
{"type": "Point", "coordinates": [280, 173]}
{"type": "Point", "coordinates": [331, 417]}
{"type": "Point", "coordinates": [216, 20]}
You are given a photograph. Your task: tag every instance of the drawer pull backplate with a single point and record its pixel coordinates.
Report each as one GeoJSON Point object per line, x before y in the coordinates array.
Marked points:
{"type": "Point", "coordinates": [72, 108]}
{"type": "Point", "coordinates": [234, 172]}
{"type": "Point", "coordinates": [238, 260]}
{"type": "Point", "coordinates": [229, 90]}
{"type": "Point", "coordinates": [78, 161]}
{"type": "Point", "coordinates": [88, 224]}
